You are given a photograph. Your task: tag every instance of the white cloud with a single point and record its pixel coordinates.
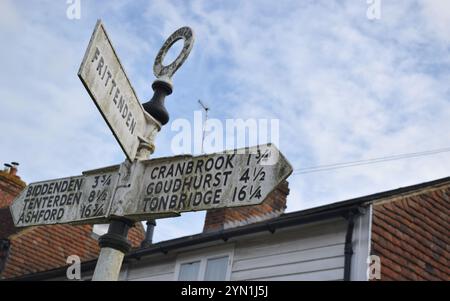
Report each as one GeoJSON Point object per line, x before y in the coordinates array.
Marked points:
{"type": "Point", "coordinates": [437, 14]}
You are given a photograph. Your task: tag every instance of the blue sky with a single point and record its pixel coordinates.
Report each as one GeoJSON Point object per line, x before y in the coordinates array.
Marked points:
{"type": "Point", "coordinates": [343, 87]}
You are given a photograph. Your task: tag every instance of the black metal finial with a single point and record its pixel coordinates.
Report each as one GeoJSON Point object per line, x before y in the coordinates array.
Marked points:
{"type": "Point", "coordinates": [163, 85]}
{"type": "Point", "coordinates": [155, 106]}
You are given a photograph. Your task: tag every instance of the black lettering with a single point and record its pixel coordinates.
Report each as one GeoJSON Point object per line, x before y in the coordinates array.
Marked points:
{"type": "Point", "coordinates": [229, 164]}
{"type": "Point", "coordinates": [60, 213]}
{"type": "Point", "coordinates": [125, 111]}
{"type": "Point", "coordinates": [29, 191]}
{"type": "Point", "coordinates": [132, 126]}
{"type": "Point", "coordinates": [207, 181]}
{"type": "Point", "coordinates": [127, 123]}
{"type": "Point", "coordinates": [44, 188]}
{"type": "Point", "coordinates": [180, 169]}
{"type": "Point", "coordinates": [55, 202]}
{"type": "Point", "coordinates": [37, 203]}
{"type": "Point", "coordinates": [104, 72]}
{"type": "Point", "coordinates": [189, 167]}
{"type": "Point", "coordinates": [216, 198]}
{"type": "Point", "coordinates": [50, 201]}
{"type": "Point", "coordinates": [47, 214]}
{"type": "Point", "coordinates": [219, 163]}
{"type": "Point", "coordinates": [53, 214]}
{"type": "Point", "coordinates": [217, 179]}
{"type": "Point", "coordinates": [161, 171]}
{"type": "Point", "coordinates": [108, 77]}
{"type": "Point", "coordinates": [197, 199]}
{"type": "Point", "coordinates": [170, 171]}
{"type": "Point", "coordinates": [182, 201]}
{"type": "Point", "coordinates": [57, 187]}
{"type": "Point", "coordinates": [152, 175]}
{"type": "Point", "coordinates": [207, 197]}
{"type": "Point", "coordinates": [187, 182]}
{"type": "Point", "coordinates": [64, 186]}
{"type": "Point", "coordinates": [63, 200]}
{"type": "Point", "coordinates": [121, 103]}
{"type": "Point", "coordinates": [154, 204]}
{"type": "Point", "coordinates": [168, 187]}
{"type": "Point", "coordinates": [100, 66]}
{"type": "Point", "coordinates": [173, 201]}
{"type": "Point", "coordinates": [209, 162]}
{"type": "Point", "coordinates": [96, 54]}
{"type": "Point", "coordinates": [146, 201]}
{"type": "Point", "coordinates": [21, 218]}
{"type": "Point", "coordinates": [159, 187]}
{"type": "Point", "coordinates": [162, 203]}
{"type": "Point", "coordinates": [198, 184]}
{"type": "Point", "coordinates": [113, 83]}
{"type": "Point", "coordinates": [77, 198]}
{"type": "Point", "coordinates": [71, 185]}
{"type": "Point", "coordinates": [150, 188]}
{"type": "Point", "coordinates": [116, 96]}
{"type": "Point", "coordinates": [50, 188]}
{"type": "Point", "coordinates": [226, 173]}
{"type": "Point", "coordinates": [176, 185]}
{"type": "Point", "coordinates": [37, 191]}
{"type": "Point", "coordinates": [199, 166]}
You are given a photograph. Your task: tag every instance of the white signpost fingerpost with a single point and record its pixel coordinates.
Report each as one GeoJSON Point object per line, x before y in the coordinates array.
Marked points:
{"type": "Point", "coordinates": [235, 178]}
{"type": "Point", "coordinates": [141, 189]}
{"type": "Point", "coordinates": [104, 78]}
{"type": "Point", "coordinates": [82, 199]}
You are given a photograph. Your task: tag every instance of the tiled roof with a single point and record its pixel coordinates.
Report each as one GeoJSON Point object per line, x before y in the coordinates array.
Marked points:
{"type": "Point", "coordinates": [411, 236]}
{"type": "Point", "coordinates": [46, 247]}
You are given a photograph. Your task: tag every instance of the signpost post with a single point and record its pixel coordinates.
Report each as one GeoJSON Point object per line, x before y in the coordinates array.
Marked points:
{"type": "Point", "coordinates": [141, 189]}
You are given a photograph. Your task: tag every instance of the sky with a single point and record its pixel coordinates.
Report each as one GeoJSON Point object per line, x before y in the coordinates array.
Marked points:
{"type": "Point", "coordinates": [343, 87]}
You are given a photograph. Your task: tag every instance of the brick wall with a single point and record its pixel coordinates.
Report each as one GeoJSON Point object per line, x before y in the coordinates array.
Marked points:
{"type": "Point", "coordinates": [411, 235]}
{"type": "Point", "coordinates": [273, 206]}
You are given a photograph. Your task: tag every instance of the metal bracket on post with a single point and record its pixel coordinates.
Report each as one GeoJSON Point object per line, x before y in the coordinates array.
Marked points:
{"type": "Point", "coordinates": [114, 245]}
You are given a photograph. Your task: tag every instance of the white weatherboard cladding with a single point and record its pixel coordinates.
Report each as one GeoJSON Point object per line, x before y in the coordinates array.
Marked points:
{"type": "Point", "coordinates": [306, 252]}
{"type": "Point", "coordinates": [81, 199]}
{"type": "Point", "coordinates": [185, 183]}
{"type": "Point", "coordinates": [107, 83]}
{"type": "Point", "coordinates": [313, 252]}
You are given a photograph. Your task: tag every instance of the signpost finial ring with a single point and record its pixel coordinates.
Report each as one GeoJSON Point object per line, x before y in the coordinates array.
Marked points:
{"type": "Point", "coordinates": [168, 71]}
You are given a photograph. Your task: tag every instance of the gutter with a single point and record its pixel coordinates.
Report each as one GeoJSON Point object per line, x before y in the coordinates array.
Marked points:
{"type": "Point", "coordinates": [348, 249]}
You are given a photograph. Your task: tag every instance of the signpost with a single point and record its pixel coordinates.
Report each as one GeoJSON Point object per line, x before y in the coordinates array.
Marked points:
{"type": "Point", "coordinates": [109, 87]}
{"type": "Point", "coordinates": [141, 189]}
{"type": "Point", "coordinates": [80, 199]}
{"type": "Point", "coordinates": [235, 178]}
